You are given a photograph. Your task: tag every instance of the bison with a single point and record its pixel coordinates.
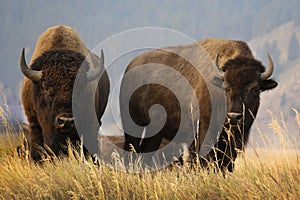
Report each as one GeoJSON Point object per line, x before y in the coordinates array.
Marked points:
{"type": "Point", "coordinates": [47, 100]}
{"type": "Point", "coordinates": [239, 78]}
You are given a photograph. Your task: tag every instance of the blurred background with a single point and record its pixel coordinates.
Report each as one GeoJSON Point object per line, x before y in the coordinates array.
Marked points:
{"type": "Point", "coordinates": [268, 26]}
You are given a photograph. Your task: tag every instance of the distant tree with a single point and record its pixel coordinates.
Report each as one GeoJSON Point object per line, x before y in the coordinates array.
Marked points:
{"type": "Point", "coordinates": [294, 48]}
{"type": "Point", "coordinates": [1, 87]}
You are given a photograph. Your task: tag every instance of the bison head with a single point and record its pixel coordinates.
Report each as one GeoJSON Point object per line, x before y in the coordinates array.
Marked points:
{"type": "Point", "coordinates": [53, 75]}
{"type": "Point", "coordinates": [244, 79]}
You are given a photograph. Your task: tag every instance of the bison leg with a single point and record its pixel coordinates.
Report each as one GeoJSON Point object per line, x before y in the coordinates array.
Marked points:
{"type": "Point", "coordinates": [223, 154]}
{"type": "Point", "coordinates": [151, 144]}
{"type": "Point", "coordinates": [132, 144]}
{"type": "Point", "coordinates": [226, 154]}
{"type": "Point", "coordinates": [36, 139]}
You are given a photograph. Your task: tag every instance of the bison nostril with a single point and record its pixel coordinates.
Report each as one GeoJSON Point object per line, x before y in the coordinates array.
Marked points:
{"type": "Point", "coordinates": [63, 122]}
{"type": "Point", "coordinates": [60, 121]}
{"type": "Point", "coordinates": [70, 122]}
{"type": "Point", "coordinates": [234, 116]}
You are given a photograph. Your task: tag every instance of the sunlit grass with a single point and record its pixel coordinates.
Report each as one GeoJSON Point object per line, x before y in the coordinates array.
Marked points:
{"type": "Point", "coordinates": [260, 173]}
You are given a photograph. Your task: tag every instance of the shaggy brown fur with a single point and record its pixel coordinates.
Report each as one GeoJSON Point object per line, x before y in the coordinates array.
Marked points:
{"type": "Point", "coordinates": [59, 53]}
{"type": "Point", "coordinates": [59, 37]}
{"type": "Point", "coordinates": [227, 49]}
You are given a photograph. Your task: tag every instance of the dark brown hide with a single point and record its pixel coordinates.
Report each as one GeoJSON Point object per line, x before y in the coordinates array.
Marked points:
{"type": "Point", "coordinates": [241, 81]}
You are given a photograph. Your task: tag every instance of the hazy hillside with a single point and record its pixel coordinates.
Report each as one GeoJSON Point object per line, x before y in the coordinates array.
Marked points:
{"type": "Point", "coordinates": [283, 44]}
{"type": "Point", "coordinates": [22, 22]}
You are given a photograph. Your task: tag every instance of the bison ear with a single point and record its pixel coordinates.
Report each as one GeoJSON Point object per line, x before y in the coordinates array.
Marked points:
{"type": "Point", "coordinates": [268, 85]}
{"type": "Point", "coordinates": [217, 81]}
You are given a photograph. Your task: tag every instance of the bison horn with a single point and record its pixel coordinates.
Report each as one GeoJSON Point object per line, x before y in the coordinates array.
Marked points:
{"type": "Point", "coordinates": [93, 74]}
{"type": "Point", "coordinates": [217, 65]}
{"type": "Point", "coordinates": [29, 73]}
{"type": "Point", "coordinates": [265, 75]}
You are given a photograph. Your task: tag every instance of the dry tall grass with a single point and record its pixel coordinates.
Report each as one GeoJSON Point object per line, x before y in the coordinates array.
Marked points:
{"type": "Point", "coordinates": [259, 174]}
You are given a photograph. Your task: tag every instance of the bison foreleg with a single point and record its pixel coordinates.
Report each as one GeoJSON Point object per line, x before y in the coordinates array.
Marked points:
{"type": "Point", "coordinates": [35, 140]}
{"type": "Point", "coordinates": [132, 144]}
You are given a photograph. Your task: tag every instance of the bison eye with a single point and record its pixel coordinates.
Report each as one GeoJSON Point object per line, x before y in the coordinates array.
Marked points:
{"type": "Point", "coordinates": [48, 91]}
{"type": "Point", "coordinates": [255, 91]}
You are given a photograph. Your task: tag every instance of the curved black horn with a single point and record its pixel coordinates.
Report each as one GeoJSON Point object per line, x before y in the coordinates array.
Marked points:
{"type": "Point", "coordinates": [94, 73]}
{"type": "Point", "coordinates": [269, 71]}
{"type": "Point", "coordinates": [29, 73]}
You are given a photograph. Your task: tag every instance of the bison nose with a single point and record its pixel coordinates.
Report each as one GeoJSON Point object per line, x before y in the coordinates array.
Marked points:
{"type": "Point", "coordinates": [234, 117]}
{"type": "Point", "coordinates": [64, 122]}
